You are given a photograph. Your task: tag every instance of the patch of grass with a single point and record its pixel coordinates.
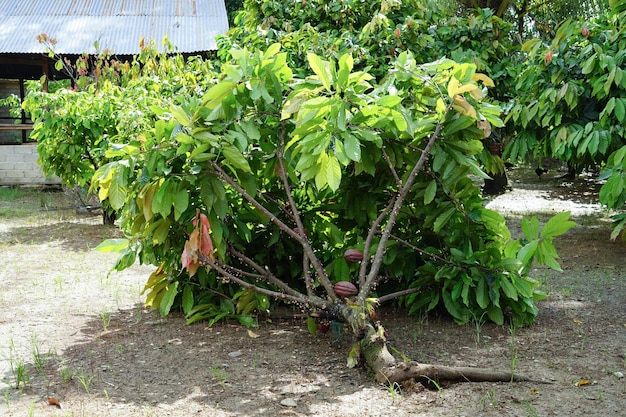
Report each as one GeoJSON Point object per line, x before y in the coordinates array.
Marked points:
{"type": "Point", "coordinates": [11, 193]}
{"type": "Point", "coordinates": [66, 374]}
{"type": "Point", "coordinates": [20, 373]}
{"type": "Point", "coordinates": [39, 358]}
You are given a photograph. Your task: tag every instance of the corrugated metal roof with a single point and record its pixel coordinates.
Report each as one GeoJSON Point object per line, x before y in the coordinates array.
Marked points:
{"type": "Point", "coordinates": [191, 25]}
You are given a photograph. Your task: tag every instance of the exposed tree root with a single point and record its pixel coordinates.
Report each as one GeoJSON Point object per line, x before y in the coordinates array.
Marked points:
{"type": "Point", "coordinates": [388, 371]}
{"type": "Point", "coordinates": [426, 373]}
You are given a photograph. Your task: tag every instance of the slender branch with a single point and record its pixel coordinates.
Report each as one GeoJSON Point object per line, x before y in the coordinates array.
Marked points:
{"type": "Point", "coordinates": [299, 238]}
{"type": "Point", "coordinates": [392, 168]}
{"type": "Point", "coordinates": [422, 251]}
{"type": "Point", "coordinates": [370, 237]}
{"type": "Point", "coordinates": [264, 273]}
{"type": "Point", "coordinates": [298, 299]}
{"type": "Point", "coordinates": [308, 279]}
{"type": "Point", "coordinates": [399, 201]}
{"type": "Point", "coordinates": [322, 277]}
{"type": "Point", "coordinates": [397, 294]}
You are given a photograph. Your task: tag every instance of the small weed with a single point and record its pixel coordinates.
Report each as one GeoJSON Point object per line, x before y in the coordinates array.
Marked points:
{"type": "Point", "coordinates": [105, 316]}
{"type": "Point", "coordinates": [67, 374]}
{"type": "Point", "coordinates": [566, 292]}
{"type": "Point", "coordinates": [85, 381]}
{"type": "Point", "coordinates": [18, 367]}
{"type": "Point", "coordinates": [395, 390]}
{"type": "Point", "coordinates": [478, 326]}
{"type": "Point", "coordinates": [530, 409]}
{"type": "Point", "coordinates": [489, 398]}
{"type": "Point", "coordinates": [10, 193]}
{"type": "Point", "coordinates": [40, 359]}
{"type": "Point", "coordinates": [220, 375]}
{"type": "Point", "coordinates": [58, 282]}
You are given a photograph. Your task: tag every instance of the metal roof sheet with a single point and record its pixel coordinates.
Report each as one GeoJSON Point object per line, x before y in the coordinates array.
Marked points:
{"type": "Point", "coordinates": [118, 25]}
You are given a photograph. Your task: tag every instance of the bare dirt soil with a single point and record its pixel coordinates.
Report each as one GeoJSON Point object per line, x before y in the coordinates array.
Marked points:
{"type": "Point", "coordinates": [72, 331]}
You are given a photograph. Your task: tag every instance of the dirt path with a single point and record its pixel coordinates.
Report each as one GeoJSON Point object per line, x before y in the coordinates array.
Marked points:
{"type": "Point", "coordinates": [71, 331]}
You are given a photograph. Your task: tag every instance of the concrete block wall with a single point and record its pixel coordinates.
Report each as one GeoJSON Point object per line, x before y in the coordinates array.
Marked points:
{"type": "Point", "coordinates": [18, 166]}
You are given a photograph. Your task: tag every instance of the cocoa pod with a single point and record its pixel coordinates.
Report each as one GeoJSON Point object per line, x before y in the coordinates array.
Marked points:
{"type": "Point", "coordinates": [353, 255]}
{"type": "Point", "coordinates": [584, 31]}
{"type": "Point", "coordinates": [345, 289]}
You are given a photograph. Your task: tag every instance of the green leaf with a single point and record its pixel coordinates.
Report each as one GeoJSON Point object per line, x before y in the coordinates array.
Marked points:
{"type": "Point", "coordinates": [353, 356]}
{"type": "Point", "coordinates": [352, 147]}
{"type": "Point", "coordinates": [527, 252]}
{"type": "Point", "coordinates": [247, 321]}
{"type": "Point", "coordinates": [168, 299]}
{"type": "Point", "coordinates": [460, 123]}
{"type": "Point", "coordinates": [442, 219]}
{"type": "Point", "coordinates": [311, 325]}
{"type": "Point", "coordinates": [217, 93]}
{"type": "Point", "coordinates": [235, 158]}
{"type": "Point", "coordinates": [495, 315]}
{"type": "Point", "coordinates": [181, 201]}
{"type": "Point", "coordinates": [346, 63]}
{"type": "Point", "coordinates": [431, 191]}
{"type": "Point", "coordinates": [187, 302]}
{"type": "Point", "coordinates": [161, 232]}
{"type": "Point", "coordinates": [530, 228]}
{"type": "Point", "coordinates": [508, 288]}
{"type": "Point", "coordinates": [620, 110]}
{"type": "Point", "coordinates": [557, 225]}
{"type": "Point", "coordinates": [320, 68]}
{"type": "Point", "coordinates": [113, 245]}
{"type": "Point", "coordinates": [482, 295]}
{"type": "Point", "coordinates": [181, 116]}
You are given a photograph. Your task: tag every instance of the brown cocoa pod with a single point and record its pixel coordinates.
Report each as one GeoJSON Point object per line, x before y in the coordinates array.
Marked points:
{"type": "Point", "coordinates": [353, 255]}
{"type": "Point", "coordinates": [345, 289]}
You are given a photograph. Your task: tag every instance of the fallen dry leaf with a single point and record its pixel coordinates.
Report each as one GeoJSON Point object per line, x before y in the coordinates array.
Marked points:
{"type": "Point", "coordinates": [54, 401]}
{"type": "Point", "coordinates": [582, 382]}
{"type": "Point", "coordinates": [252, 334]}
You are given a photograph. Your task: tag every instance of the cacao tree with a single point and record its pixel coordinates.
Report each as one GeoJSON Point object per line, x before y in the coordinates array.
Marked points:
{"type": "Point", "coordinates": [103, 102]}
{"type": "Point", "coordinates": [572, 101]}
{"type": "Point", "coordinates": [269, 178]}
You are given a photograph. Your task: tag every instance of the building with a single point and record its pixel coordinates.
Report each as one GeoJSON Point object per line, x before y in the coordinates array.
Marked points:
{"type": "Point", "coordinates": [78, 26]}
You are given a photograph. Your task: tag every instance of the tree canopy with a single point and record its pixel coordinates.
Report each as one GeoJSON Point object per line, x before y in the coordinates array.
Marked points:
{"type": "Point", "coordinates": [330, 158]}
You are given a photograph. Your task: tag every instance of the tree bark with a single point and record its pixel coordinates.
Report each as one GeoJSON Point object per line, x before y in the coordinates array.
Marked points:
{"type": "Point", "coordinates": [387, 370]}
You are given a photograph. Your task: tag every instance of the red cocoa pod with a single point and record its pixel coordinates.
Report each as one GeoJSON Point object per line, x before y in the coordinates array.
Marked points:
{"type": "Point", "coordinates": [584, 31]}
{"type": "Point", "coordinates": [548, 57]}
{"type": "Point", "coordinates": [353, 255]}
{"type": "Point", "coordinates": [345, 289]}
{"type": "Point", "coordinates": [323, 326]}
{"type": "Point", "coordinates": [297, 231]}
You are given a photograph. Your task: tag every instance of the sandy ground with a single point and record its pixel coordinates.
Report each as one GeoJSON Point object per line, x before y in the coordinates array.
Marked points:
{"type": "Point", "coordinates": [72, 331]}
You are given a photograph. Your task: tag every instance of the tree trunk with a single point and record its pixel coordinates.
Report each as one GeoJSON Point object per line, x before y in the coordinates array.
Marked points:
{"type": "Point", "coordinates": [387, 370]}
